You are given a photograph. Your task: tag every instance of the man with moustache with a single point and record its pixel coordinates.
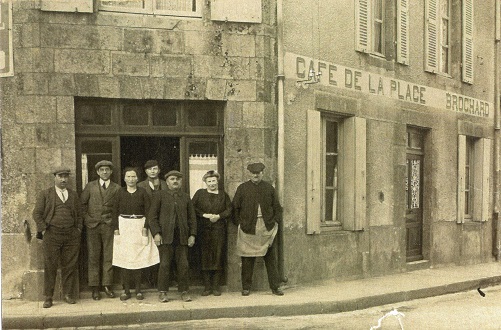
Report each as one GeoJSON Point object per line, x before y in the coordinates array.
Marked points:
{"type": "Point", "coordinates": [153, 182]}
{"type": "Point", "coordinates": [173, 224]}
{"type": "Point", "coordinates": [58, 218]}
{"type": "Point", "coordinates": [257, 213]}
{"type": "Point", "coordinates": [98, 199]}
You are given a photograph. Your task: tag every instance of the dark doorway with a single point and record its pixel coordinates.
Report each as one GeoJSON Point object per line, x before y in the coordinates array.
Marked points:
{"type": "Point", "coordinates": [136, 150]}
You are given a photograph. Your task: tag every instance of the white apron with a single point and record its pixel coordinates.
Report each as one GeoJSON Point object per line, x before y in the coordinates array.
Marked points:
{"type": "Point", "coordinates": [255, 245]}
{"type": "Point", "coordinates": [130, 249]}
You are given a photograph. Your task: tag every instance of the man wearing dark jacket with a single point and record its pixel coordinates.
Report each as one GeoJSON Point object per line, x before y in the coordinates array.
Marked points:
{"type": "Point", "coordinates": [257, 212]}
{"type": "Point", "coordinates": [98, 199]}
{"type": "Point", "coordinates": [153, 182]}
{"type": "Point", "coordinates": [173, 225]}
{"type": "Point", "coordinates": [58, 218]}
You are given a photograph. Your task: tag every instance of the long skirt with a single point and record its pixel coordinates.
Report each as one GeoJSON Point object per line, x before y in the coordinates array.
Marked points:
{"type": "Point", "coordinates": [131, 250]}
{"type": "Point", "coordinates": [212, 241]}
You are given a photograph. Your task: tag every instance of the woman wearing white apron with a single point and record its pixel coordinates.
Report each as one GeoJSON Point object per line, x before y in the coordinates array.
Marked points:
{"type": "Point", "coordinates": [133, 246]}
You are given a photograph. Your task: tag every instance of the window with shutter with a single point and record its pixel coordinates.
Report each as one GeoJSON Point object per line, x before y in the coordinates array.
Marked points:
{"type": "Point", "coordinates": [468, 41]}
{"type": "Point", "coordinates": [473, 178]}
{"type": "Point", "coordinates": [186, 8]}
{"type": "Point", "coordinates": [336, 167]}
{"type": "Point", "coordinates": [403, 32]}
{"type": "Point", "coordinates": [437, 36]}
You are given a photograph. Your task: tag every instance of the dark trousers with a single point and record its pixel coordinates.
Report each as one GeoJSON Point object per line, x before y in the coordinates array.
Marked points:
{"type": "Point", "coordinates": [212, 279]}
{"type": "Point", "coordinates": [135, 274]}
{"type": "Point", "coordinates": [167, 253]}
{"type": "Point", "coordinates": [100, 242]}
{"type": "Point", "coordinates": [270, 260]}
{"type": "Point", "coordinates": [61, 246]}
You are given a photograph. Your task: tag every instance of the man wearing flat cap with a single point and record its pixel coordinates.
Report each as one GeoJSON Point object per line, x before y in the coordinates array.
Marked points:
{"type": "Point", "coordinates": [257, 214]}
{"type": "Point", "coordinates": [173, 225]}
{"type": "Point", "coordinates": [98, 199]}
{"type": "Point", "coordinates": [57, 214]}
{"type": "Point", "coordinates": [153, 183]}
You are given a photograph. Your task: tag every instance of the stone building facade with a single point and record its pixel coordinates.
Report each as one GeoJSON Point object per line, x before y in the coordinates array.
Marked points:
{"type": "Point", "coordinates": [128, 82]}
{"type": "Point", "coordinates": [378, 121]}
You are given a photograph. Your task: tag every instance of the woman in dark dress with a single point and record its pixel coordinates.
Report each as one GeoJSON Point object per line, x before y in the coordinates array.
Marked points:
{"type": "Point", "coordinates": [133, 247]}
{"type": "Point", "coordinates": [213, 208]}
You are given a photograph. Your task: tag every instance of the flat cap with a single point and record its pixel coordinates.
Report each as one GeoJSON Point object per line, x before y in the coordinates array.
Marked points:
{"type": "Point", "coordinates": [173, 173]}
{"type": "Point", "coordinates": [150, 163]}
{"type": "Point", "coordinates": [255, 167]}
{"type": "Point", "coordinates": [61, 170]}
{"type": "Point", "coordinates": [103, 163]}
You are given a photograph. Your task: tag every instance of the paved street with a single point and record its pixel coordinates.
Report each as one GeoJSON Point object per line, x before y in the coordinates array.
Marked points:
{"type": "Point", "coordinates": [465, 310]}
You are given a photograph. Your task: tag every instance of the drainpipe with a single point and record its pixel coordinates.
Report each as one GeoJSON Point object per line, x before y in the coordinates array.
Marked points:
{"type": "Point", "coordinates": [497, 136]}
{"type": "Point", "coordinates": [280, 123]}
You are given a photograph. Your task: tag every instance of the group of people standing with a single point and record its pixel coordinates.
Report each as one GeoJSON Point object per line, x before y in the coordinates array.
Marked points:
{"type": "Point", "coordinates": [154, 222]}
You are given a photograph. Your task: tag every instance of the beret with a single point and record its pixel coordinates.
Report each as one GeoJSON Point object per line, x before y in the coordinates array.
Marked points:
{"type": "Point", "coordinates": [61, 170]}
{"type": "Point", "coordinates": [255, 167]}
{"type": "Point", "coordinates": [104, 163]}
{"type": "Point", "coordinates": [150, 163]}
{"type": "Point", "coordinates": [173, 173]}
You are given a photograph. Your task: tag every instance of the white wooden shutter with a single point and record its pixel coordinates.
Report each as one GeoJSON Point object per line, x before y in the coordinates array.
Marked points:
{"type": "Point", "coordinates": [314, 172]}
{"type": "Point", "coordinates": [72, 6]}
{"type": "Point", "coordinates": [248, 11]}
{"type": "Point", "coordinates": [431, 35]}
{"type": "Point", "coordinates": [468, 41]}
{"type": "Point", "coordinates": [362, 25]}
{"type": "Point", "coordinates": [354, 173]}
{"type": "Point", "coordinates": [485, 177]}
{"type": "Point", "coordinates": [461, 178]}
{"type": "Point", "coordinates": [403, 31]}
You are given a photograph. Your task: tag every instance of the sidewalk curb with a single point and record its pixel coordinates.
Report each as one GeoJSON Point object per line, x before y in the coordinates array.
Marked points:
{"type": "Point", "coordinates": [258, 310]}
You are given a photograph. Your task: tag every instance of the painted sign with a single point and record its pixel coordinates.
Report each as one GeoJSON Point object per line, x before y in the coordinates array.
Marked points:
{"type": "Point", "coordinates": [6, 56]}
{"type": "Point", "coordinates": [299, 68]}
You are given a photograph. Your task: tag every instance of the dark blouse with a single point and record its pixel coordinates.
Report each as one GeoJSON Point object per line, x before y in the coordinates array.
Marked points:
{"type": "Point", "coordinates": [137, 203]}
{"type": "Point", "coordinates": [206, 202]}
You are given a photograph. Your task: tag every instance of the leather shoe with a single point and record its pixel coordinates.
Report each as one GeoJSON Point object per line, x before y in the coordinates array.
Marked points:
{"type": "Point", "coordinates": [69, 300]}
{"type": "Point", "coordinates": [185, 296]}
{"type": "Point", "coordinates": [47, 303]}
{"type": "Point", "coordinates": [109, 292]}
{"type": "Point", "coordinates": [277, 292]}
{"type": "Point", "coordinates": [163, 297]}
{"type": "Point", "coordinates": [206, 292]}
{"type": "Point", "coordinates": [124, 296]}
{"type": "Point", "coordinates": [216, 292]}
{"type": "Point", "coordinates": [96, 295]}
{"type": "Point", "coordinates": [245, 292]}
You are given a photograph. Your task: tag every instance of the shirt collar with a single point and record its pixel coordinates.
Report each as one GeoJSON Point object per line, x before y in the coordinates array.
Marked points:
{"type": "Point", "coordinates": [60, 190]}
{"type": "Point", "coordinates": [101, 181]}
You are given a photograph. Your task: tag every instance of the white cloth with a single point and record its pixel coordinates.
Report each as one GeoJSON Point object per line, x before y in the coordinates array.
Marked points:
{"type": "Point", "coordinates": [130, 249]}
{"type": "Point", "coordinates": [255, 245]}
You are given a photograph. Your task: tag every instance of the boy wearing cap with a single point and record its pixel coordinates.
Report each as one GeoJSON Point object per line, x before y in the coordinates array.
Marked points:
{"type": "Point", "coordinates": [57, 214]}
{"type": "Point", "coordinates": [98, 199]}
{"type": "Point", "coordinates": [257, 213]}
{"type": "Point", "coordinates": [153, 182]}
{"type": "Point", "coordinates": [173, 225]}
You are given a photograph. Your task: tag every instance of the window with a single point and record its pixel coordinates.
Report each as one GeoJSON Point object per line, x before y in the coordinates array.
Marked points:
{"type": "Point", "coordinates": [372, 23]}
{"type": "Point", "coordinates": [336, 161]}
{"type": "Point", "coordinates": [157, 7]}
{"type": "Point", "coordinates": [468, 178]}
{"type": "Point", "coordinates": [473, 178]}
{"type": "Point", "coordinates": [330, 172]}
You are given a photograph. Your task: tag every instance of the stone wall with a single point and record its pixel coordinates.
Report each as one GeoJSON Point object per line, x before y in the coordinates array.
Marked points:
{"type": "Point", "coordinates": [59, 56]}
